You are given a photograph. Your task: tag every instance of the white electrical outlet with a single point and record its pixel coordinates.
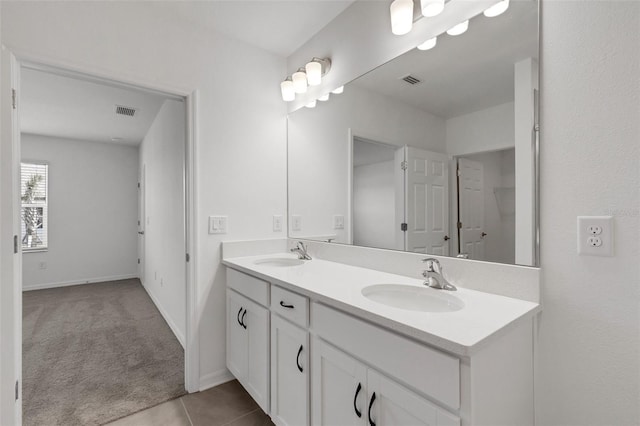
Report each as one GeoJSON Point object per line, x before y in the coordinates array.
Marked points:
{"type": "Point", "coordinates": [338, 221]}
{"type": "Point", "coordinates": [595, 235]}
{"type": "Point", "coordinates": [42, 265]}
{"type": "Point", "coordinates": [277, 223]}
{"type": "Point", "coordinates": [217, 224]}
{"type": "Point", "coordinates": [296, 223]}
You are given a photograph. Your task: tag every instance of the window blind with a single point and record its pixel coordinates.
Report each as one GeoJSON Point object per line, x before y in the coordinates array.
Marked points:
{"type": "Point", "coordinates": [34, 185]}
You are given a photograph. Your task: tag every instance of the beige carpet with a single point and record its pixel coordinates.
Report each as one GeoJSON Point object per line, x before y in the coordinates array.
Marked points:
{"type": "Point", "coordinates": [94, 353]}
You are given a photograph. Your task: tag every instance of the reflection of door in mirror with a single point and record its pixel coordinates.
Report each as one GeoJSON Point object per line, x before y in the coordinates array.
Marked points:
{"type": "Point", "coordinates": [486, 205]}
{"type": "Point", "coordinates": [427, 202]}
{"type": "Point", "coordinates": [377, 201]}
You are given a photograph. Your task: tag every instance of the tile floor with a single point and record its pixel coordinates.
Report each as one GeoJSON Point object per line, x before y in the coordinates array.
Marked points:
{"type": "Point", "coordinates": [225, 405]}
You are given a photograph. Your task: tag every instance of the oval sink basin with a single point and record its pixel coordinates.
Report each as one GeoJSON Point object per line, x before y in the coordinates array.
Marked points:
{"type": "Point", "coordinates": [279, 262]}
{"type": "Point", "coordinates": [413, 298]}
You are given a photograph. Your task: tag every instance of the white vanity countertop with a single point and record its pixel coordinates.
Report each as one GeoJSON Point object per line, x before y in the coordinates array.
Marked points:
{"type": "Point", "coordinates": [461, 332]}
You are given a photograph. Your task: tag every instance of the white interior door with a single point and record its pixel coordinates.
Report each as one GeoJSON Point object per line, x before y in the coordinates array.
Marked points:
{"type": "Point", "coordinates": [427, 202]}
{"type": "Point", "coordinates": [471, 208]}
{"type": "Point", "coordinates": [10, 247]}
{"type": "Point", "coordinates": [141, 222]}
{"type": "Point", "coordinates": [400, 197]}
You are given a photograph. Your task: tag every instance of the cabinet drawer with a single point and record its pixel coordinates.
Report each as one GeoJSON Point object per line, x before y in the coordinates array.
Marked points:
{"type": "Point", "coordinates": [429, 371]}
{"type": "Point", "coordinates": [251, 287]}
{"type": "Point", "coordinates": [290, 305]}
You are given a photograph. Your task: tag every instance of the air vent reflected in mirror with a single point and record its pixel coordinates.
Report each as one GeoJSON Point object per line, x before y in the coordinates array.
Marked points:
{"type": "Point", "coordinates": [123, 110]}
{"type": "Point", "coordinates": [411, 79]}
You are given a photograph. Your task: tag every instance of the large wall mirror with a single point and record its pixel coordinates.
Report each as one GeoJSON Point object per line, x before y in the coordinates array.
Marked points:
{"type": "Point", "coordinates": [433, 152]}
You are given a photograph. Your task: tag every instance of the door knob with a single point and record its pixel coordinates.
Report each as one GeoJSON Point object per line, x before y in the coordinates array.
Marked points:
{"type": "Point", "coordinates": [446, 238]}
{"type": "Point", "coordinates": [484, 234]}
{"type": "Point", "coordinates": [141, 232]}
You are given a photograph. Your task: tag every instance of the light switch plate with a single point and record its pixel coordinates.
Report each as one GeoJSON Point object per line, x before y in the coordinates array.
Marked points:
{"type": "Point", "coordinates": [277, 223]}
{"type": "Point", "coordinates": [338, 221]}
{"type": "Point", "coordinates": [296, 222]}
{"type": "Point", "coordinates": [217, 224]}
{"type": "Point", "coordinates": [595, 235]}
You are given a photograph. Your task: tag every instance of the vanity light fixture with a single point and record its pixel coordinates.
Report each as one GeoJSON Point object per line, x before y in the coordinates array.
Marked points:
{"type": "Point", "coordinates": [299, 81]}
{"type": "Point", "coordinates": [338, 90]}
{"type": "Point", "coordinates": [316, 69]}
{"type": "Point", "coordinates": [311, 104]}
{"type": "Point", "coordinates": [459, 28]}
{"type": "Point", "coordinates": [288, 92]}
{"type": "Point", "coordinates": [324, 97]}
{"type": "Point", "coordinates": [401, 16]}
{"type": "Point", "coordinates": [431, 8]}
{"type": "Point", "coordinates": [429, 44]}
{"type": "Point", "coordinates": [497, 9]}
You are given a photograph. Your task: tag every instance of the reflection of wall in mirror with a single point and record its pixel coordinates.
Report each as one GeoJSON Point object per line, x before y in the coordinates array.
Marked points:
{"type": "Point", "coordinates": [319, 157]}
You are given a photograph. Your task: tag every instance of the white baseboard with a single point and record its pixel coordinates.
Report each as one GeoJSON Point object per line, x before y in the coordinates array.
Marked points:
{"type": "Point", "coordinates": [216, 378]}
{"type": "Point", "coordinates": [78, 282]}
{"type": "Point", "coordinates": [167, 317]}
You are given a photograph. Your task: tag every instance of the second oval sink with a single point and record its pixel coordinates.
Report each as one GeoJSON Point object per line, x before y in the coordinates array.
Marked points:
{"type": "Point", "coordinates": [412, 298]}
{"type": "Point", "coordinates": [279, 262]}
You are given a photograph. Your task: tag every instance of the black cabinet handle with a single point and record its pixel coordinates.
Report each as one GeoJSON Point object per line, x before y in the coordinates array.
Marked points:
{"type": "Point", "coordinates": [238, 316]}
{"type": "Point", "coordinates": [298, 359]}
{"type": "Point", "coordinates": [242, 320]}
{"type": "Point", "coordinates": [285, 305]}
{"type": "Point", "coordinates": [358, 412]}
{"type": "Point", "coordinates": [373, 398]}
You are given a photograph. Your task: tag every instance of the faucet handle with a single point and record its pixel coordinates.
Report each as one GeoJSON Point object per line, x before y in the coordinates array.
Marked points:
{"type": "Point", "coordinates": [433, 264]}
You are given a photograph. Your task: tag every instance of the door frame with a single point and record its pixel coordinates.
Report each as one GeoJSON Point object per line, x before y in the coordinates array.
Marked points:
{"type": "Point", "coordinates": [191, 100]}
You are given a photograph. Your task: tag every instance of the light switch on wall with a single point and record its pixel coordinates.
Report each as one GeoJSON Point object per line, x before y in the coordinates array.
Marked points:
{"type": "Point", "coordinates": [338, 221]}
{"type": "Point", "coordinates": [217, 224]}
{"type": "Point", "coordinates": [277, 223]}
{"type": "Point", "coordinates": [595, 235]}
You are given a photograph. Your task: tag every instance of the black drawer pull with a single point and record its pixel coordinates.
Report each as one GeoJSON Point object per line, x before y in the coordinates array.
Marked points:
{"type": "Point", "coordinates": [285, 305]}
{"type": "Point", "coordinates": [242, 320]}
{"type": "Point", "coordinates": [298, 359]}
{"type": "Point", "coordinates": [358, 412]}
{"type": "Point", "coordinates": [238, 316]}
{"type": "Point", "coordinates": [373, 398]}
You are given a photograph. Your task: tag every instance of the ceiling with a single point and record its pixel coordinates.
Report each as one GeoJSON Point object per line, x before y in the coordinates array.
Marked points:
{"type": "Point", "coordinates": [280, 27]}
{"type": "Point", "coordinates": [66, 107]}
{"type": "Point", "coordinates": [466, 73]}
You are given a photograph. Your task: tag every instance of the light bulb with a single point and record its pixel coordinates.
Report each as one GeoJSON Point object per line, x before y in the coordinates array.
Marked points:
{"type": "Point", "coordinates": [299, 81]}
{"type": "Point", "coordinates": [288, 92]}
{"type": "Point", "coordinates": [497, 9]}
{"type": "Point", "coordinates": [338, 90]}
{"type": "Point", "coordinates": [401, 16]}
{"type": "Point", "coordinates": [429, 44]}
{"type": "Point", "coordinates": [458, 29]}
{"type": "Point", "coordinates": [432, 8]}
{"type": "Point", "coordinates": [324, 97]}
{"type": "Point", "coordinates": [314, 73]}
{"type": "Point", "coordinates": [311, 104]}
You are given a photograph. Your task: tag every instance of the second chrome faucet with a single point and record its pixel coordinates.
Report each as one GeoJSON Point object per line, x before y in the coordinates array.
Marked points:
{"type": "Point", "coordinates": [301, 250]}
{"type": "Point", "coordinates": [433, 276]}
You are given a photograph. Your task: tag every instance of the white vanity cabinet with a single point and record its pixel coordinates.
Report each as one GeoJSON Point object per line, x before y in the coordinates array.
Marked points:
{"type": "Point", "coordinates": [248, 341]}
{"type": "Point", "coordinates": [347, 392]}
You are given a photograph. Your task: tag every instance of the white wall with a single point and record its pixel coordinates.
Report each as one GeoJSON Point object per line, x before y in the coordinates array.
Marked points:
{"type": "Point", "coordinates": [162, 158]}
{"type": "Point", "coordinates": [319, 158]}
{"type": "Point", "coordinates": [374, 205]}
{"type": "Point", "coordinates": [241, 133]}
{"type": "Point", "coordinates": [489, 129]}
{"type": "Point", "coordinates": [93, 211]}
{"type": "Point", "coordinates": [589, 334]}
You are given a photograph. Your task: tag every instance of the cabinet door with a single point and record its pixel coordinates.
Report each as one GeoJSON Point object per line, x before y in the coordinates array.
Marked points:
{"type": "Point", "coordinates": [289, 373]}
{"type": "Point", "coordinates": [391, 404]}
{"type": "Point", "coordinates": [257, 377]}
{"type": "Point", "coordinates": [338, 396]}
{"type": "Point", "coordinates": [237, 338]}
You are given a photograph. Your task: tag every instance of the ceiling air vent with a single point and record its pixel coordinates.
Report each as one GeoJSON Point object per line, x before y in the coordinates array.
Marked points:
{"type": "Point", "coordinates": [411, 79]}
{"type": "Point", "coordinates": [123, 110]}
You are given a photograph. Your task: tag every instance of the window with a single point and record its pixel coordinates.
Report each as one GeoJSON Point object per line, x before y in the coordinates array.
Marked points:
{"type": "Point", "coordinates": [34, 183]}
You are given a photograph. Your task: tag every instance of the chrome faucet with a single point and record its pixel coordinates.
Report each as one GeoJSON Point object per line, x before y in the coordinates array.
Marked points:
{"type": "Point", "coordinates": [301, 250]}
{"type": "Point", "coordinates": [434, 277]}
